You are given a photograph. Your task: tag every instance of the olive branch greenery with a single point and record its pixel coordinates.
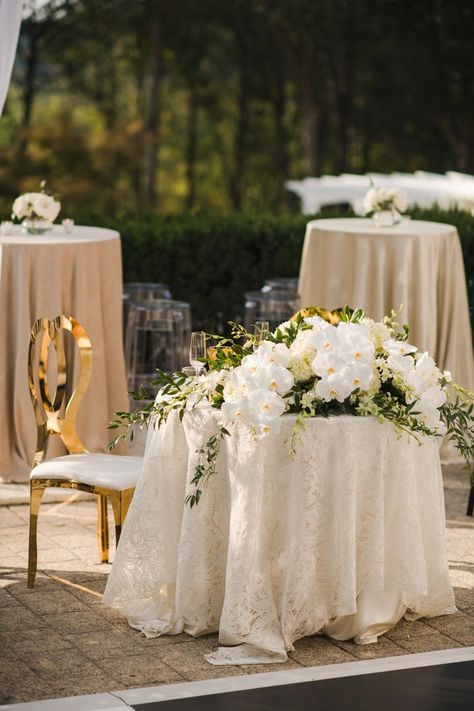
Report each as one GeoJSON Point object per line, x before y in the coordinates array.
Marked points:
{"type": "Point", "coordinates": [206, 466]}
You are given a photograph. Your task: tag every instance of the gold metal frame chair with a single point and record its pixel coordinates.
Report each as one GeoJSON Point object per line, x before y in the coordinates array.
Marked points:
{"type": "Point", "coordinates": [47, 407]}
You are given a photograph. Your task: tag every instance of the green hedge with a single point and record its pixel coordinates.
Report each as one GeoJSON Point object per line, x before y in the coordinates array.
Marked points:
{"type": "Point", "coordinates": [212, 260]}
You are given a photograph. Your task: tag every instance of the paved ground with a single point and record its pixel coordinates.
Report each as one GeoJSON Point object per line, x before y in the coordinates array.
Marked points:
{"type": "Point", "coordinates": [59, 640]}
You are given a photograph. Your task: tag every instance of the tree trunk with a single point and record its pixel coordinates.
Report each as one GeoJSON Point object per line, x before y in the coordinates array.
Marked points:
{"type": "Point", "coordinates": [282, 160]}
{"type": "Point", "coordinates": [243, 101]}
{"type": "Point", "coordinates": [191, 147]}
{"type": "Point", "coordinates": [152, 123]}
{"type": "Point", "coordinates": [345, 88]}
{"type": "Point", "coordinates": [310, 125]}
{"type": "Point", "coordinates": [29, 88]}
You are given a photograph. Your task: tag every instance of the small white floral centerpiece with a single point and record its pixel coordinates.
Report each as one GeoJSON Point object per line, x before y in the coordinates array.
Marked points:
{"type": "Point", "coordinates": [385, 205]}
{"type": "Point", "coordinates": [36, 210]}
{"type": "Point", "coordinates": [318, 364]}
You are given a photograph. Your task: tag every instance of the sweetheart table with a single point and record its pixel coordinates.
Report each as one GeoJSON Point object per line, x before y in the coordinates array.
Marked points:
{"type": "Point", "coordinates": [344, 538]}
{"type": "Point", "coordinates": [79, 274]}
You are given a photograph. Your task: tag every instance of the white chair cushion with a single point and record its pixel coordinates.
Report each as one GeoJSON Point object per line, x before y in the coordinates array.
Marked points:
{"type": "Point", "coordinates": [108, 470]}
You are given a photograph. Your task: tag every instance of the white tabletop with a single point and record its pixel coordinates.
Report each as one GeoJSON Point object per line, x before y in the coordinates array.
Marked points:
{"type": "Point", "coordinates": [80, 233]}
{"type": "Point", "coordinates": [364, 225]}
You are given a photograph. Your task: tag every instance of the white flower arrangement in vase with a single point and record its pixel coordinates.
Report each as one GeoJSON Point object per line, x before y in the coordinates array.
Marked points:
{"type": "Point", "coordinates": [385, 205]}
{"type": "Point", "coordinates": [36, 210]}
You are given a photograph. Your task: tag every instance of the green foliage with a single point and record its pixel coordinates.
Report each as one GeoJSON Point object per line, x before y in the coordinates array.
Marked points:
{"type": "Point", "coordinates": [206, 466]}
{"type": "Point", "coordinates": [213, 104]}
{"type": "Point", "coordinates": [211, 260]}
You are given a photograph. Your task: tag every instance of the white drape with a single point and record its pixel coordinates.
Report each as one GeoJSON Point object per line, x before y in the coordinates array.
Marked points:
{"type": "Point", "coordinates": [10, 21]}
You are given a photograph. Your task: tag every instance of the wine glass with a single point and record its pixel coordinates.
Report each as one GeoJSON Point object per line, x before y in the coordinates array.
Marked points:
{"type": "Point", "coordinates": [197, 350]}
{"type": "Point", "coordinates": [261, 330]}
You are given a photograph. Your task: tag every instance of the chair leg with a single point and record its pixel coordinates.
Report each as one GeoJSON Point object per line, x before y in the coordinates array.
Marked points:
{"type": "Point", "coordinates": [103, 528]}
{"type": "Point", "coordinates": [470, 503]}
{"type": "Point", "coordinates": [37, 490]}
{"type": "Point", "coordinates": [120, 504]}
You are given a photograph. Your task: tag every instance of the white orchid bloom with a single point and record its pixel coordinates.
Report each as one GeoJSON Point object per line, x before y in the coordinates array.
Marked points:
{"type": "Point", "coordinates": [399, 364]}
{"type": "Point", "coordinates": [398, 347]}
{"type": "Point", "coordinates": [428, 369]}
{"type": "Point", "coordinates": [252, 363]}
{"type": "Point", "coordinates": [266, 404]}
{"type": "Point", "coordinates": [425, 376]}
{"type": "Point", "coordinates": [362, 376]}
{"type": "Point", "coordinates": [238, 383]}
{"type": "Point", "coordinates": [417, 385]}
{"type": "Point", "coordinates": [354, 344]}
{"type": "Point", "coordinates": [337, 386]}
{"type": "Point", "coordinates": [434, 396]}
{"type": "Point", "coordinates": [269, 353]}
{"type": "Point", "coordinates": [430, 416]}
{"type": "Point", "coordinates": [318, 323]}
{"type": "Point", "coordinates": [324, 339]}
{"type": "Point", "coordinates": [327, 363]}
{"type": "Point", "coordinates": [274, 377]}
{"type": "Point", "coordinates": [240, 410]}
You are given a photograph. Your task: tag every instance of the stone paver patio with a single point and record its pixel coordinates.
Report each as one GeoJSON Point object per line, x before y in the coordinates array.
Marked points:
{"type": "Point", "coordinates": [59, 640]}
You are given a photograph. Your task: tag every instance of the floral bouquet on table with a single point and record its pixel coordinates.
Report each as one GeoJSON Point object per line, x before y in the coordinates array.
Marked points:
{"type": "Point", "coordinates": [318, 364]}
{"type": "Point", "coordinates": [385, 205]}
{"type": "Point", "coordinates": [37, 210]}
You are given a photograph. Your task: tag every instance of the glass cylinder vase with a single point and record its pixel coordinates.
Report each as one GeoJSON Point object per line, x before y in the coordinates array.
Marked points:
{"type": "Point", "coordinates": [387, 218]}
{"type": "Point", "coordinates": [33, 226]}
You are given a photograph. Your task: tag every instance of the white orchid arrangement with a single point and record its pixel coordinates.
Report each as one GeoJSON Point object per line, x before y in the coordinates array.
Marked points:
{"type": "Point", "coordinates": [36, 206]}
{"type": "Point", "coordinates": [318, 364]}
{"type": "Point", "coordinates": [380, 199]}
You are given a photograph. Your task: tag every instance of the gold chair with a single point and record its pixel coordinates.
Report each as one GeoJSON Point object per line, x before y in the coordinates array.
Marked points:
{"type": "Point", "coordinates": [109, 476]}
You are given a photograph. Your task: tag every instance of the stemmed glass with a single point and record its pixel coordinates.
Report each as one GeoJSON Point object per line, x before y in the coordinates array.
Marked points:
{"type": "Point", "coordinates": [197, 350]}
{"type": "Point", "coordinates": [261, 330]}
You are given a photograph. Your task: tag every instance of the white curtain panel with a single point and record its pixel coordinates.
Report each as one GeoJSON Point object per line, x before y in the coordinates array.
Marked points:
{"type": "Point", "coordinates": [10, 21]}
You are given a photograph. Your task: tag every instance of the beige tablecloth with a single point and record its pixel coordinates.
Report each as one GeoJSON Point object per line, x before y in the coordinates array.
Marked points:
{"type": "Point", "coordinates": [418, 265]}
{"type": "Point", "coordinates": [344, 537]}
{"type": "Point", "coordinates": [78, 274]}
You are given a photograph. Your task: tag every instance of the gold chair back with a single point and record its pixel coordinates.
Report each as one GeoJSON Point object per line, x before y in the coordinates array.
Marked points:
{"type": "Point", "coordinates": [46, 404]}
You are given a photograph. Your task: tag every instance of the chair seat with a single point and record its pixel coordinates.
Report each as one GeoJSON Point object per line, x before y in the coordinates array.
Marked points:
{"type": "Point", "coordinates": [95, 469]}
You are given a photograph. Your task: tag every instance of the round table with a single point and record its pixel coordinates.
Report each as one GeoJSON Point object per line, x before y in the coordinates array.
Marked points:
{"type": "Point", "coordinates": [345, 537]}
{"type": "Point", "coordinates": [417, 265]}
{"type": "Point", "coordinates": [79, 274]}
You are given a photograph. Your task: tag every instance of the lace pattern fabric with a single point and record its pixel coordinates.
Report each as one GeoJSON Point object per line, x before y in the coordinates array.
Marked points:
{"type": "Point", "coordinates": [280, 547]}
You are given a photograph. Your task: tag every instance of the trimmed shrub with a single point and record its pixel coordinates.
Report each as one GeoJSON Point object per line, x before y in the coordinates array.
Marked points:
{"type": "Point", "coordinates": [211, 260]}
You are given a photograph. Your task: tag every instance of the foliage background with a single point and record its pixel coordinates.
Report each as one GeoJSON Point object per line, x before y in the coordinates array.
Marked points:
{"type": "Point", "coordinates": [178, 105]}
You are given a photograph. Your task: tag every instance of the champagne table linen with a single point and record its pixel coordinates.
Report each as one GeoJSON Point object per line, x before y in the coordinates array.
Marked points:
{"type": "Point", "coordinates": [44, 276]}
{"type": "Point", "coordinates": [345, 538]}
{"type": "Point", "coordinates": [416, 264]}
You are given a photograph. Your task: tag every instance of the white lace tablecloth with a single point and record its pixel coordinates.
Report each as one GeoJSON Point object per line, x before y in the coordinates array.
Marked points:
{"type": "Point", "coordinates": [345, 537]}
